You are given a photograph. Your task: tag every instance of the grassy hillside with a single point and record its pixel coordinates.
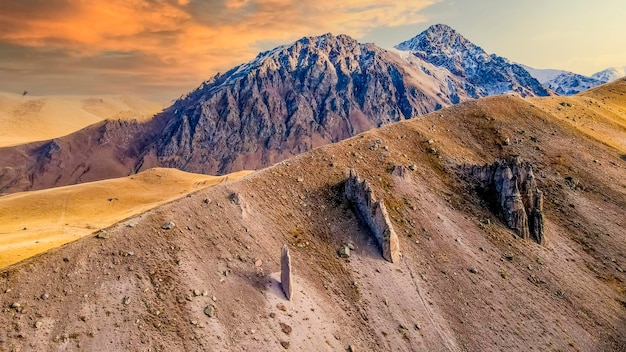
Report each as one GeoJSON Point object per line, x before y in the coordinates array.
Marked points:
{"type": "Point", "coordinates": [33, 222]}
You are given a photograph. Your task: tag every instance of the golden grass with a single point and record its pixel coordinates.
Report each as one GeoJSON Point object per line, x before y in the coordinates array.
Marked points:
{"type": "Point", "coordinates": [25, 119]}
{"type": "Point", "coordinates": [599, 112]}
{"type": "Point", "coordinates": [34, 222]}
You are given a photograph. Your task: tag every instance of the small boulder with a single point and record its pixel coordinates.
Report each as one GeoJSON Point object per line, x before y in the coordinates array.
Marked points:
{"type": "Point", "coordinates": [344, 251]}
{"type": "Point", "coordinates": [209, 311]}
{"type": "Point", "coordinates": [285, 328]}
{"type": "Point", "coordinates": [102, 234]}
{"type": "Point", "coordinates": [168, 225]}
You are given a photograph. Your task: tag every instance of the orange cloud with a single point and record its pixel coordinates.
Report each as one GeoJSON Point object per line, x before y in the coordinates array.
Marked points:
{"type": "Point", "coordinates": [190, 38]}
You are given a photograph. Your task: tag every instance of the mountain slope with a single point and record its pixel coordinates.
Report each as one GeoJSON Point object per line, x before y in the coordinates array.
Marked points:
{"type": "Point", "coordinates": [485, 74]}
{"type": "Point", "coordinates": [463, 283]}
{"type": "Point", "coordinates": [25, 119]}
{"type": "Point", "coordinates": [543, 75]}
{"type": "Point", "coordinates": [286, 101]}
{"type": "Point", "coordinates": [599, 112]}
{"type": "Point", "coordinates": [569, 83]}
{"type": "Point", "coordinates": [610, 74]}
{"type": "Point", "coordinates": [34, 222]}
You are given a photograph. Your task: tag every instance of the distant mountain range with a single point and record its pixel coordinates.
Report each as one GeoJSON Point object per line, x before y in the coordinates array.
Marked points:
{"type": "Point", "coordinates": [570, 83]}
{"type": "Point", "coordinates": [288, 100]}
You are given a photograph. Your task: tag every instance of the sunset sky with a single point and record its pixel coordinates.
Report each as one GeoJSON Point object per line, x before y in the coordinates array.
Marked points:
{"type": "Point", "coordinates": [160, 49]}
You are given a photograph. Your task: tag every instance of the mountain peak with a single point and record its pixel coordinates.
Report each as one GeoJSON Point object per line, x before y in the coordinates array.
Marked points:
{"type": "Point", "coordinates": [443, 46]}
{"type": "Point", "coordinates": [610, 74]}
{"type": "Point", "coordinates": [439, 36]}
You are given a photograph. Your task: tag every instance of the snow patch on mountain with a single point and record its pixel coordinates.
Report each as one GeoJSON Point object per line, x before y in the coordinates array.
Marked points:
{"type": "Point", "coordinates": [543, 75]}
{"type": "Point", "coordinates": [569, 83]}
{"type": "Point", "coordinates": [610, 74]}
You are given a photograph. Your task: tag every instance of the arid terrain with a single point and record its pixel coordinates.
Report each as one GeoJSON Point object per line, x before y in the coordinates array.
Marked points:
{"type": "Point", "coordinates": [201, 272]}
{"type": "Point", "coordinates": [26, 118]}
{"type": "Point", "coordinates": [33, 222]}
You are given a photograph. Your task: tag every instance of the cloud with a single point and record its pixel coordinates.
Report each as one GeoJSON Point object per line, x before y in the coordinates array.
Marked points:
{"type": "Point", "coordinates": [181, 39]}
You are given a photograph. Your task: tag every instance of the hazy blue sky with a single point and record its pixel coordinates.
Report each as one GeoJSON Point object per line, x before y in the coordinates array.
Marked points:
{"type": "Point", "coordinates": [161, 49]}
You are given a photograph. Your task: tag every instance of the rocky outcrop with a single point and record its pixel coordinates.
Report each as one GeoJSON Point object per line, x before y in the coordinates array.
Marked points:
{"type": "Point", "coordinates": [511, 187]}
{"type": "Point", "coordinates": [285, 272]}
{"type": "Point", "coordinates": [374, 214]}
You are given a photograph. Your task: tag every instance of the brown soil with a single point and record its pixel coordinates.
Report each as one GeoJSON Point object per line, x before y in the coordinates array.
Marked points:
{"type": "Point", "coordinates": [134, 290]}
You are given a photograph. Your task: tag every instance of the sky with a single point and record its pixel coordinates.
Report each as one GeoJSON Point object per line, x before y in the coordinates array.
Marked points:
{"type": "Point", "coordinates": [161, 49]}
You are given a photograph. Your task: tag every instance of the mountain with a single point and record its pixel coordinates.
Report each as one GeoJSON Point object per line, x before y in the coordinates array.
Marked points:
{"type": "Point", "coordinates": [485, 74]}
{"type": "Point", "coordinates": [610, 74]}
{"type": "Point", "coordinates": [543, 75]}
{"type": "Point", "coordinates": [464, 282]}
{"type": "Point", "coordinates": [297, 97]}
{"type": "Point", "coordinates": [294, 98]}
{"type": "Point", "coordinates": [569, 83]}
{"type": "Point", "coordinates": [34, 222]}
{"type": "Point", "coordinates": [28, 118]}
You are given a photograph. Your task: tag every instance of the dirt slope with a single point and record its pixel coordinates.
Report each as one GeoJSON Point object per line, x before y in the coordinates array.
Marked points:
{"type": "Point", "coordinates": [33, 222]}
{"type": "Point", "coordinates": [26, 119]}
{"type": "Point", "coordinates": [599, 112]}
{"type": "Point", "coordinates": [135, 289]}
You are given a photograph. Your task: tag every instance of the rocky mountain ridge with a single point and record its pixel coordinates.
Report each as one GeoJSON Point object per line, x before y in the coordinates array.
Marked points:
{"type": "Point", "coordinates": [570, 83]}
{"type": "Point", "coordinates": [289, 100]}
{"type": "Point", "coordinates": [485, 74]}
{"type": "Point", "coordinates": [315, 91]}
{"type": "Point", "coordinates": [610, 74]}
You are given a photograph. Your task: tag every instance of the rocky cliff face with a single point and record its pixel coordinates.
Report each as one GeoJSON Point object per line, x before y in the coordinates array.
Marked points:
{"type": "Point", "coordinates": [485, 74]}
{"type": "Point", "coordinates": [511, 187]}
{"type": "Point", "coordinates": [289, 100]}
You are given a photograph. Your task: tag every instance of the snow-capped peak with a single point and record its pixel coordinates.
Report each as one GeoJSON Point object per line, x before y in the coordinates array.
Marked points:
{"type": "Point", "coordinates": [610, 74]}
{"type": "Point", "coordinates": [442, 46]}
